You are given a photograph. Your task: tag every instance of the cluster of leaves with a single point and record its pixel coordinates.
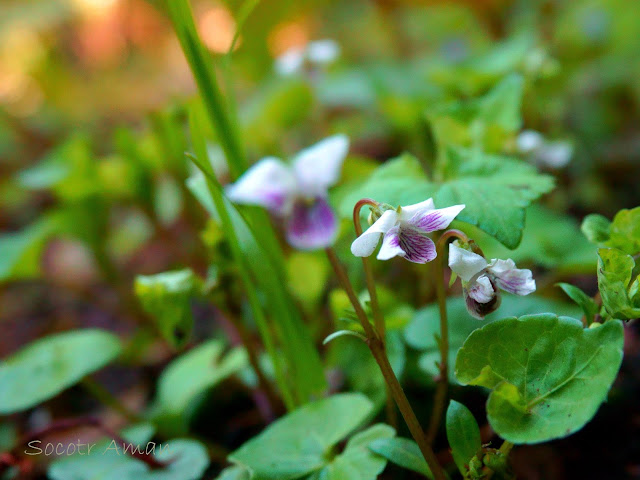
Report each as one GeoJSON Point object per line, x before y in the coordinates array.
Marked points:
{"type": "Point", "coordinates": [545, 373]}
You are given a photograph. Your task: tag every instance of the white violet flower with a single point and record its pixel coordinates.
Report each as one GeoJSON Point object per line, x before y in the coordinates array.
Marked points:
{"type": "Point", "coordinates": [405, 232]}
{"type": "Point", "coordinates": [542, 152]}
{"type": "Point", "coordinates": [481, 280]}
{"type": "Point", "coordinates": [318, 53]}
{"type": "Point", "coordinates": [298, 192]}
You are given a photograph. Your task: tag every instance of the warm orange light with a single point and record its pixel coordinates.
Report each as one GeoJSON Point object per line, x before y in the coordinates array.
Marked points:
{"type": "Point", "coordinates": [95, 7]}
{"type": "Point", "coordinates": [287, 36]}
{"type": "Point", "coordinates": [217, 28]}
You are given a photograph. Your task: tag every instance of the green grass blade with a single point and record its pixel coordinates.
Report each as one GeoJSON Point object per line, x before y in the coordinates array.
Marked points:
{"type": "Point", "coordinates": [202, 67]}
{"type": "Point", "coordinates": [202, 162]}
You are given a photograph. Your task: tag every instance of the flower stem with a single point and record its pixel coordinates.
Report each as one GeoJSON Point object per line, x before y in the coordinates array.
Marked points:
{"type": "Point", "coordinates": [378, 318]}
{"type": "Point", "coordinates": [376, 346]}
{"type": "Point", "coordinates": [440, 398]}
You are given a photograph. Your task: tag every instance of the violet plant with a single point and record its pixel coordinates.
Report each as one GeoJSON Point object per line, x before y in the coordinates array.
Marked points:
{"type": "Point", "coordinates": [321, 346]}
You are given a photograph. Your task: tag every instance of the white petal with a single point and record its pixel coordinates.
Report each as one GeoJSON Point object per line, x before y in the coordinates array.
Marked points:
{"type": "Point", "coordinates": [408, 212]}
{"type": "Point", "coordinates": [269, 183]}
{"type": "Point", "coordinates": [318, 167]}
{"type": "Point", "coordinates": [323, 51]}
{"type": "Point", "coordinates": [391, 245]}
{"type": "Point", "coordinates": [511, 279]}
{"type": "Point", "coordinates": [555, 154]}
{"type": "Point", "coordinates": [365, 244]}
{"type": "Point", "coordinates": [529, 140]}
{"type": "Point", "coordinates": [464, 263]}
{"type": "Point", "coordinates": [290, 62]}
{"type": "Point", "coordinates": [481, 289]}
{"type": "Point", "coordinates": [436, 219]}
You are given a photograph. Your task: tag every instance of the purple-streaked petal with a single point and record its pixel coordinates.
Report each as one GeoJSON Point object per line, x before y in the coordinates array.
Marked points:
{"type": "Point", "coordinates": [417, 247]}
{"type": "Point", "coordinates": [464, 263]}
{"type": "Point", "coordinates": [436, 219]}
{"type": "Point", "coordinates": [318, 167]}
{"type": "Point", "coordinates": [365, 244]}
{"type": "Point", "coordinates": [269, 183]}
{"type": "Point", "coordinates": [391, 245]}
{"type": "Point", "coordinates": [410, 211]}
{"type": "Point", "coordinates": [312, 226]}
{"type": "Point", "coordinates": [511, 279]}
{"type": "Point", "coordinates": [480, 310]}
{"type": "Point", "coordinates": [481, 289]}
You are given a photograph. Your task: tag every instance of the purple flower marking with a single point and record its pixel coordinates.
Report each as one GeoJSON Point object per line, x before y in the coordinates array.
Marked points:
{"type": "Point", "coordinates": [298, 192]}
{"type": "Point", "coordinates": [481, 280]}
{"type": "Point", "coordinates": [405, 232]}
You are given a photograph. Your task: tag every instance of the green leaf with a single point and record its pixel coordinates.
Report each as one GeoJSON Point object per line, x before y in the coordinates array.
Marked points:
{"type": "Point", "coordinates": [307, 273]}
{"type": "Point", "coordinates": [596, 228]}
{"type": "Point", "coordinates": [167, 298]}
{"type": "Point", "coordinates": [187, 460]}
{"type": "Point", "coordinates": [547, 374]}
{"type": "Point", "coordinates": [358, 461]}
{"type": "Point", "coordinates": [584, 301]}
{"type": "Point", "coordinates": [402, 452]}
{"type": "Point", "coordinates": [190, 375]}
{"type": "Point", "coordinates": [298, 444]}
{"type": "Point", "coordinates": [420, 333]}
{"type": "Point", "coordinates": [615, 269]}
{"type": "Point", "coordinates": [495, 189]}
{"type": "Point", "coordinates": [46, 367]}
{"type": "Point", "coordinates": [568, 251]}
{"type": "Point", "coordinates": [625, 231]}
{"type": "Point", "coordinates": [234, 473]}
{"type": "Point", "coordinates": [463, 434]}
{"type": "Point", "coordinates": [22, 251]}
{"type": "Point", "coordinates": [342, 333]}
{"type": "Point", "coordinates": [398, 181]}
{"type": "Point", "coordinates": [276, 107]}
{"type": "Point", "coordinates": [501, 105]}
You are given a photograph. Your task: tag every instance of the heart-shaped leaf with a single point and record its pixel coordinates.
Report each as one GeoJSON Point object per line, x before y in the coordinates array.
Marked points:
{"type": "Point", "coordinates": [298, 444]}
{"type": "Point", "coordinates": [420, 333]}
{"type": "Point", "coordinates": [495, 189]}
{"type": "Point", "coordinates": [190, 375]}
{"type": "Point", "coordinates": [48, 366]}
{"type": "Point", "coordinates": [548, 375]}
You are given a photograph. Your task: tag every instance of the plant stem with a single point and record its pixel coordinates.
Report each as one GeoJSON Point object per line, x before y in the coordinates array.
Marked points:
{"type": "Point", "coordinates": [378, 318]}
{"type": "Point", "coordinates": [254, 360]}
{"type": "Point", "coordinates": [105, 397]}
{"type": "Point", "coordinates": [506, 447]}
{"type": "Point", "coordinates": [440, 398]}
{"type": "Point", "coordinates": [376, 346]}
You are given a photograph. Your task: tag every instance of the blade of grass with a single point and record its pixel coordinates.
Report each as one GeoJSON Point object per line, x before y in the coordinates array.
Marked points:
{"type": "Point", "coordinates": [202, 162]}
{"type": "Point", "coordinates": [218, 110]}
{"type": "Point", "coordinates": [303, 359]}
{"type": "Point", "coordinates": [202, 67]}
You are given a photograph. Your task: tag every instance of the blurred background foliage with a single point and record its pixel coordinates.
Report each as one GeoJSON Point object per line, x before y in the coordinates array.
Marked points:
{"type": "Point", "coordinates": [94, 100]}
